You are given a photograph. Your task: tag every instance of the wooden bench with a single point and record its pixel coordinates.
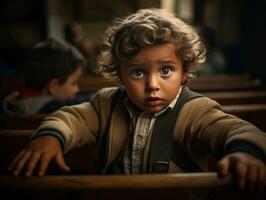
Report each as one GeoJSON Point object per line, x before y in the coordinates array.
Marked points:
{"type": "Point", "coordinates": [94, 83]}
{"type": "Point", "coordinates": [253, 113]}
{"type": "Point", "coordinates": [120, 187]}
{"type": "Point", "coordinates": [237, 97]}
{"type": "Point", "coordinates": [82, 184]}
{"type": "Point", "coordinates": [225, 83]}
{"type": "Point", "coordinates": [20, 121]}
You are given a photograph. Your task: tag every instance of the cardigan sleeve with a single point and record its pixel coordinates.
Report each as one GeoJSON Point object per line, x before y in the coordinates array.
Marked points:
{"type": "Point", "coordinates": [204, 128]}
{"type": "Point", "coordinates": [80, 124]}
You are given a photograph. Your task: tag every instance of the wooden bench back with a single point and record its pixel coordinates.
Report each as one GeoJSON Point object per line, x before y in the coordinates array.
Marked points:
{"type": "Point", "coordinates": [225, 83]}
{"type": "Point", "coordinates": [253, 113]}
{"type": "Point", "coordinates": [237, 97]}
{"type": "Point", "coordinates": [20, 121]}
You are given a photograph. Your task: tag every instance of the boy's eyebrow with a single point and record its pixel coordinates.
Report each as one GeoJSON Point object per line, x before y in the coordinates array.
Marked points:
{"type": "Point", "coordinates": [166, 62]}
{"type": "Point", "coordinates": [135, 65]}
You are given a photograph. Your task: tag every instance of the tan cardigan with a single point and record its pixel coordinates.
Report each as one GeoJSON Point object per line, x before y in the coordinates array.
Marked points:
{"type": "Point", "coordinates": [202, 128]}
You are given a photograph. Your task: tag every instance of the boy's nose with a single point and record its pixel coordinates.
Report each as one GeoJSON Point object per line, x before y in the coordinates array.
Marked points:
{"type": "Point", "coordinates": [152, 83]}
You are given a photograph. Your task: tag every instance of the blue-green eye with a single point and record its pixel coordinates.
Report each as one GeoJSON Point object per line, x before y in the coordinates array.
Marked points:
{"type": "Point", "coordinates": [137, 73]}
{"type": "Point", "coordinates": [166, 71]}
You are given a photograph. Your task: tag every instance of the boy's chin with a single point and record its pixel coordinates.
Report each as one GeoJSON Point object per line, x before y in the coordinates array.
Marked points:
{"type": "Point", "coordinates": [153, 110]}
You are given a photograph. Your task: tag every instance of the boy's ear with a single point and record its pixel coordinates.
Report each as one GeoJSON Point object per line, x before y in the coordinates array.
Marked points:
{"type": "Point", "coordinates": [120, 77]}
{"type": "Point", "coordinates": [184, 78]}
{"type": "Point", "coordinates": [53, 86]}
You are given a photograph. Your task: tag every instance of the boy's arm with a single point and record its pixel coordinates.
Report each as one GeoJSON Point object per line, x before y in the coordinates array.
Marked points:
{"type": "Point", "coordinates": [75, 124]}
{"type": "Point", "coordinates": [209, 130]}
{"type": "Point", "coordinates": [78, 124]}
{"type": "Point", "coordinates": [239, 144]}
{"type": "Point", "coordinates": [64, 129]}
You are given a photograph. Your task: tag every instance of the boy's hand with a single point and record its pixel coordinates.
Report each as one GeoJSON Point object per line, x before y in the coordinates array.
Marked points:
{"type": "Point", "coordinates": [250, 172]}
{"type": "Point", "coordinates": [39, 152]}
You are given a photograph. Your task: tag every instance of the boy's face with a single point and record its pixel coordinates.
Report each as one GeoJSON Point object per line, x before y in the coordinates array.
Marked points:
{"type": "Point", "coordinates": [70, 87]}
{"type": "Point", "coordinates": [153, 77]}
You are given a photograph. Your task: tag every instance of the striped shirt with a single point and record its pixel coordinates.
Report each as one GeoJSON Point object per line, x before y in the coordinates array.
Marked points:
{"type": "Point", "coordinates": [141, 126]}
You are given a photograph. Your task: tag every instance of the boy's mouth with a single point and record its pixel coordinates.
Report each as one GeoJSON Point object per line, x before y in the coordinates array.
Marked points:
{"type": "Point", "coordinates": [154, 101]}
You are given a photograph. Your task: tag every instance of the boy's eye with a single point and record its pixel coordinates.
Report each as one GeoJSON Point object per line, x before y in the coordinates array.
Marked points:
{"type": "Point", "coordinates": [137, 73]}
{"type": "Point", "coordinates": [166, 71]}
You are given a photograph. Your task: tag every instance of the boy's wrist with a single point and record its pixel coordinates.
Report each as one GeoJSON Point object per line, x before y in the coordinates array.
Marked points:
{"type": "Point", "coordinates": [241, 146]}
{"type": "Point", "coordinates": [50, 132]}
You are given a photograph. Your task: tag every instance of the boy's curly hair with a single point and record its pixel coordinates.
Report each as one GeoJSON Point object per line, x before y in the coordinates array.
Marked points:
{"type": "Point", "coordinates": [147, 27]}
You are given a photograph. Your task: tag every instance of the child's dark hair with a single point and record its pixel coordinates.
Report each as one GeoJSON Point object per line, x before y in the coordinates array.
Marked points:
{"type": "Point", "coordinates": [147, 27]}
{"type": "Point", "coordinates": [51, 59]}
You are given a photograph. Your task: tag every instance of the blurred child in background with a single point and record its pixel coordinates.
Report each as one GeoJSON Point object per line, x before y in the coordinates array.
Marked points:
{"type": "Point", "coordinates": [51, 73]}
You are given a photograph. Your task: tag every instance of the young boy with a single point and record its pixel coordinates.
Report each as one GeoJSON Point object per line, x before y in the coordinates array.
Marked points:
{"type": "Point", "coordinates": [152, 53]}
{"type": "Point", "coordinates": [51, 72]}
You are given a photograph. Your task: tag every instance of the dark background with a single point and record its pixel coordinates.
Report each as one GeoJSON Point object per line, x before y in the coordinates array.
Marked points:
{"type": "Point", "coordinates": [239, 27]}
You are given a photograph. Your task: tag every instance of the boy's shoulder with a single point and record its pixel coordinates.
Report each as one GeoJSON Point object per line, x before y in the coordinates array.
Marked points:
{"type": "Point", "coordinates": [106, 93]}
{"type": "Point", "coordinates": [203, 103]}
{"type": "Point", "coordinates": [196, 108]}
{"type": "Point", "coordinates": [194, 100]}
{"type": "Point", "coordinates": [193, 112]}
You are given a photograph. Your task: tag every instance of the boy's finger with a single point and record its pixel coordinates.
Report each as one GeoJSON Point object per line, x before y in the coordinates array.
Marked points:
{"type": "Point", "coordinates": [45, 160]}
{"type": "Point", "coordinates": [262, 179]}
{"type": "Point", "coordinates": [32, 164]}
{"type": "Point", "coordinates": [21, 163]}
{"type": "Point", "coordinates": [241, 174]}
{"type": "Point", "coordinates": [15, 160]}
{"type": "Point", "coordinates": [60, 161]}
{"type": "Point", "coordinates": [252, 178]}
{"type": "Point", "coordinates": [223, 167]}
